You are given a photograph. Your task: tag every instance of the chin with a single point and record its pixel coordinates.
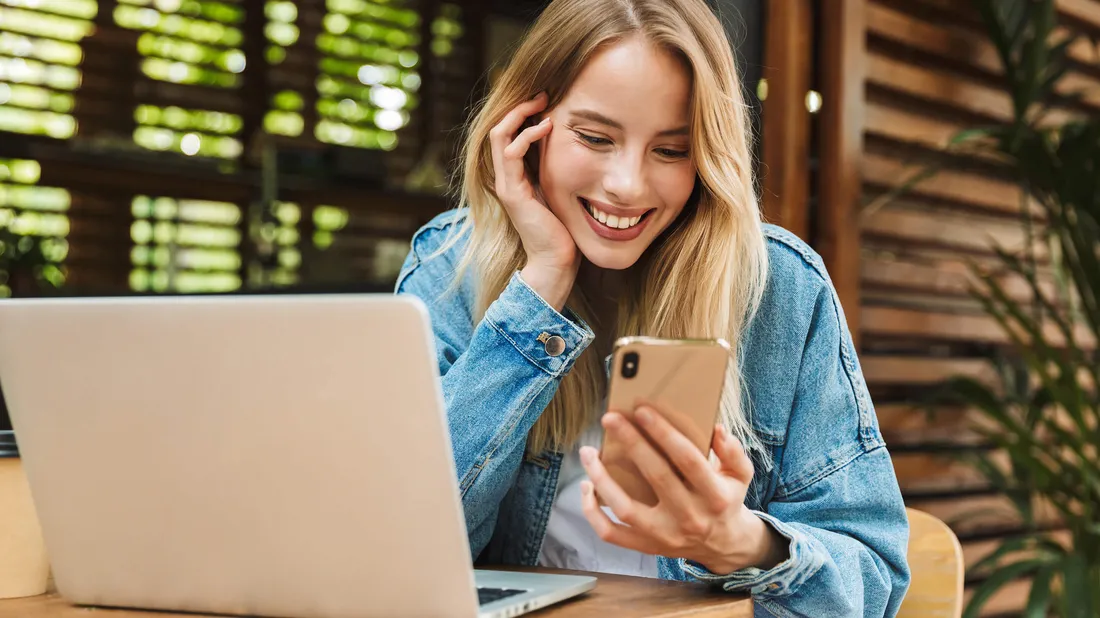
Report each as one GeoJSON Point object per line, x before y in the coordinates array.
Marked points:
{"type": "Point", "coordinates": [601, 257]}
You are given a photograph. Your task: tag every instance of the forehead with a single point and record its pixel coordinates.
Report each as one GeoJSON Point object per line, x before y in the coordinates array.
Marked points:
{"type": "Point", "coordinates": [636, 83]}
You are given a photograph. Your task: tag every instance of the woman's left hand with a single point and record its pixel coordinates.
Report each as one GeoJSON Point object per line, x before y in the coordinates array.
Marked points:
{"type": "Point", "coordinates": [700, 514]}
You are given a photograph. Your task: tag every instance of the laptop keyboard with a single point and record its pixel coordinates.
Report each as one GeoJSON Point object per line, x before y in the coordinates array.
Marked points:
{"type": "Point", "coordinates": [488, 595]}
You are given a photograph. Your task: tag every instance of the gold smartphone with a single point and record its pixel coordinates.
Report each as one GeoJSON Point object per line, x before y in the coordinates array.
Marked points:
{"type": "Point", "coordinates": [682, 378]}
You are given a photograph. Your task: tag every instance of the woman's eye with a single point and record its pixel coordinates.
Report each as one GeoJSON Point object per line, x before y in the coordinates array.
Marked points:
{"type": "Point", "coordinates": [592, 139]}
{"type": "Point", "coordinates": [672, 154]}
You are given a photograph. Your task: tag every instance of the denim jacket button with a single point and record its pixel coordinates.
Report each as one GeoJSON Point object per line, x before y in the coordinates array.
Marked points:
{"type": "Point", "coordinates": [553, 344]}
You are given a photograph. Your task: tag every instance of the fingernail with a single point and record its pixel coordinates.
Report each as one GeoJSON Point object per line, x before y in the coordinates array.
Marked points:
{"type": "Point", "coordinates": [586, 488]}
{"type": "Point", "coordinates": [587, 455]}
{"type": "Point", "coordinates": [644, 416]}
{"type": "Point", "coordinates": [545, 121]}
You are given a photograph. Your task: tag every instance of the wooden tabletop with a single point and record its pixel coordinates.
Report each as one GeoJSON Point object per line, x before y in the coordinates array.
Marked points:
{"type": "Point", "coordinates": [614, 595]}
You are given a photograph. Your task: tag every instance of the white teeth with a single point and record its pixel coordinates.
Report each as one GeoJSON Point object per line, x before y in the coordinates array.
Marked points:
{"type": "Point", "coordinates": [611, 221]}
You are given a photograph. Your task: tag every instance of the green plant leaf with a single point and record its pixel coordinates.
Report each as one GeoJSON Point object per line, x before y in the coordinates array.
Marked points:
{"type": "Point", "coordinates": [1040, 597]}
{"type": "Point", "coordinates": [1006, 547]}
{"type": "Point", "coordinates": [1057, 63]}
{"type": "Point", "coordinates": [995, 29]}
{"type": "Point", "coordinates": [1077, 593]}
{"type": "Point", "coordinates": [999, 579]}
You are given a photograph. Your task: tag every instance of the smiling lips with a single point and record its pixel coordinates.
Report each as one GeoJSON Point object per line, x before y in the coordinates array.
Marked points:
{"type": "Point", "coordinates": [614, 227]}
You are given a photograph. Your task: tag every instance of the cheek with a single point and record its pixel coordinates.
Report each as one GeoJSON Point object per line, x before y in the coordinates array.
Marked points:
{"type": "Point", "coordinates": [566, 168]}
{"type": "Point", "coordinates": [674, 186]}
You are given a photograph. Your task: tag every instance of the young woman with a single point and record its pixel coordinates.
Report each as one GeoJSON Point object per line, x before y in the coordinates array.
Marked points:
{"type": "Point", "coordinates": [607, 191]}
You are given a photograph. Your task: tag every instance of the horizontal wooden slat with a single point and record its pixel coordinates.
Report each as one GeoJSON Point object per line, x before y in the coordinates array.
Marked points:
{"type": "Point", "coordinates": [945, 90]}
{"type": "Point", "coordinates": [909, 127]}
{"type": "Point", "coordinates": [935, 87]}
{"type": "Point", "coordinates": [906, 222]}
{"type": "Point", "coordinates": [907, 425]}
{"type": "Point", "coordinates": [893, 322]}
{"type": "Point", "coordinates": [919, 301]}
{"type": "Point", "coordinates": [189, 96]}
{"type": "Point", "coordinates": [937, 255]}
{"type": "Point", "coordinates": [1085, 55]}
{"type": "Point", "coordinates": [940, 277]}
{"type": "Point", "coordinates": [948, 279]}
{"type": "Point", "coordinates": [958, 45]}
{"type": "Point", "coordinates": [981, 513]}
{"type": "Point", "coordinates": [915, 370]}
{"type": "Point", "coordinates": [941, 38]}
{"type": "Point", "coordinates": [1084, 14]}
{"type": "Point", "coordinates": [928, 472]}
{"type": "Point", "coordinates": [966, 189]}
{"type": "Point", "coordinates": [971, 514]}
{"type": "Point", "coordinates": [112, 257]}
{"type": "Point", "coordinates": [117, 177]}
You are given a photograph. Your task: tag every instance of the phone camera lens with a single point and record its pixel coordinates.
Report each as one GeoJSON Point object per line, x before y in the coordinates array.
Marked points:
{"type": "Point", "coordinates": [630, 364]}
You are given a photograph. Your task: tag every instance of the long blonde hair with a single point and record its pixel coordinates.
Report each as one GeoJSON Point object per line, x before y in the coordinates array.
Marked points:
{"type": "Point", "coordinates": [676, 290]}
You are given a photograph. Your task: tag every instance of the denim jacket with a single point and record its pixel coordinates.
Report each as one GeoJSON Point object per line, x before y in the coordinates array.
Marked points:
{"type": "Point", "coordinates": [831, 491]}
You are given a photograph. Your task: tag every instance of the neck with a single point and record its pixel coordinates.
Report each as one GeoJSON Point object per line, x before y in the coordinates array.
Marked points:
{"type": "Point", "coordinates": [600, 283]}
{"type": "Point", "coordinates": [603, 290]}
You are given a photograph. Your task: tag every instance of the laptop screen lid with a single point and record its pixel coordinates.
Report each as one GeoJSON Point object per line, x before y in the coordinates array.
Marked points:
{"type": "Point", "coordinates": [267, 455]}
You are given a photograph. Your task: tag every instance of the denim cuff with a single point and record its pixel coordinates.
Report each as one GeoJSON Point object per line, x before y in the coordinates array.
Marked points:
{"type": "Point", "coordinates": [549, 339]}
{"type": "Point", "coordinates": [803, 561]}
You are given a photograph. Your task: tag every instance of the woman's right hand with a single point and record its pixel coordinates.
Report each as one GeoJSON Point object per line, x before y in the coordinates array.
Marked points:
{"type": "Point", "coordinates": [552, 255]}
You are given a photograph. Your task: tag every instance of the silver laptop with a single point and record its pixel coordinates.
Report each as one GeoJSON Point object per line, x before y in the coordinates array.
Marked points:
{"type": "Point", "coordinates": [262, 455]}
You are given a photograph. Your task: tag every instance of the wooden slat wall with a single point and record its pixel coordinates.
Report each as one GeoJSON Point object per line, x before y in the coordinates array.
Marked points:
{"type": "Point", "coordinates": [103, 168]}
{"type": "Point", "coordinates": [929, 72]}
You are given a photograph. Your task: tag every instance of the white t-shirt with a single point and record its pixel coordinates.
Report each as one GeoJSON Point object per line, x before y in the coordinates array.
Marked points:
{"type": "Point", "coordinates": [570, 542]}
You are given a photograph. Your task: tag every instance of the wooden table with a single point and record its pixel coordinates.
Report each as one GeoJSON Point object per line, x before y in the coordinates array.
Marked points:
{"type": "Point", "coordinates": [615, 595]}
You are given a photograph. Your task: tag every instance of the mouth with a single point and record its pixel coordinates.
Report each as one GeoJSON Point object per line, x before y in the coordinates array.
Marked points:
{"type": "Point", "coordinates": [614, 227]}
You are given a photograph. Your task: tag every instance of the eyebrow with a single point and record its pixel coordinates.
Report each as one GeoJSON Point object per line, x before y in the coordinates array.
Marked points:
{"type": "Point", "coordinates": [595, 116]}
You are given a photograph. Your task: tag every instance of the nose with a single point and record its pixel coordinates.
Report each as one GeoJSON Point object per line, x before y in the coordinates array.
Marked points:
{"type": "Point", "coordinates": [624, 180]}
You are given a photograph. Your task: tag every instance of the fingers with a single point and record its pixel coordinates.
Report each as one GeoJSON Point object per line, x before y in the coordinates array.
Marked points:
{"type": "Point", "coordinates": [731, 453]}
{"type": "Point", "coordinates": [528, 136]}
{"type": "Point", "coordinates": [628, 510]}
{"type": "Point", "coordinates": [514, 172]}
{"type": "Point", "coordinates": [652, 464]}
{"type": "Point", "coordinates": [606, 529]}
{"type": "Point", "coordinates": [687, 458]}
{"type": "Point", "coordinates": [504, 130]}
{"type": "Point", "coordinates": [509, 170]}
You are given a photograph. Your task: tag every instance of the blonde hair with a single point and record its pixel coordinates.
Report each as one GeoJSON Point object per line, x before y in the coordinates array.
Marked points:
{"type": "Point", "coordinates": [675, 290]}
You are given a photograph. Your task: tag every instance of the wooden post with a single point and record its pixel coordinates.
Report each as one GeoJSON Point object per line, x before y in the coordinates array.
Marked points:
{"type": "Point", "coordinates": [843, 56]}
{"type": "Point", "coordinates": [255, 92]}
{"type": "Point", "coordinates": [788, 66]}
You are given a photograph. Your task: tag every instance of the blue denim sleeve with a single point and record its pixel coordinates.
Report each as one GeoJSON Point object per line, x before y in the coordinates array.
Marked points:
{"type": "Point", "coordinates": [497, 375]}
{"type": "Point", "coordinates": [837, 500]}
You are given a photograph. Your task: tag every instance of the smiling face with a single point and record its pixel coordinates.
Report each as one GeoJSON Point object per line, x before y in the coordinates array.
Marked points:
{"type": "Point", "coordinates": [616, 168]}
